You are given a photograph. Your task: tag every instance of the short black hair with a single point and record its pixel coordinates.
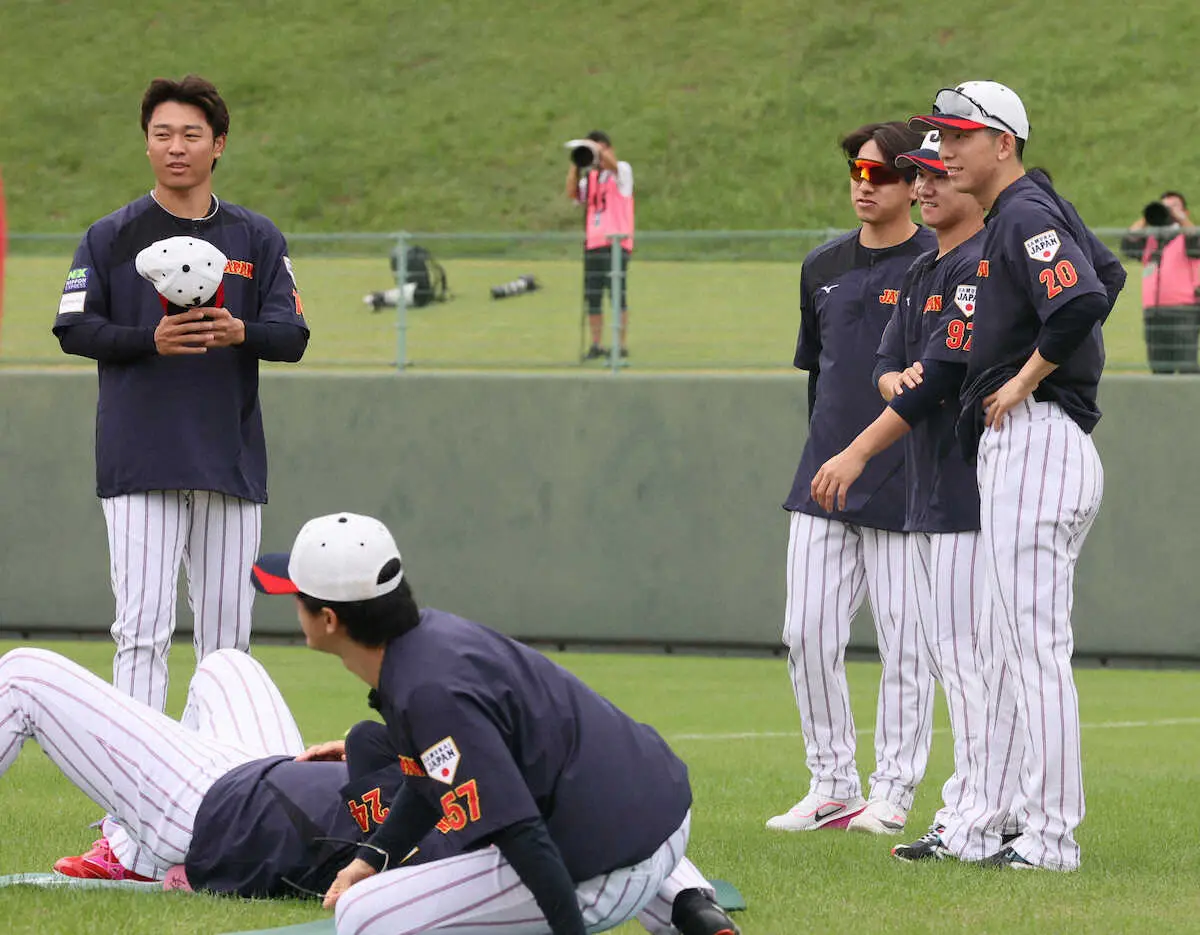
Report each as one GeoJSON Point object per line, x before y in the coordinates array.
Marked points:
{"type": "Point", "coordinates": [194, 90]}
{"type": "Point", "coordinates": [599, 136]}
{"type": "Point", "coordinates": [893, 138]}
{"type": "Point", "coordinates": [1173, 194]}
{"type": "Point", "coordinates": [374, 622]}
{"type": "Point", "coordinates": [1020, 143]}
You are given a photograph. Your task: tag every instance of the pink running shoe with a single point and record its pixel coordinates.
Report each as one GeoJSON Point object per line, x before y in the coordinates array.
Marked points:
{"type": "Point", "coordinates": [100, 863]}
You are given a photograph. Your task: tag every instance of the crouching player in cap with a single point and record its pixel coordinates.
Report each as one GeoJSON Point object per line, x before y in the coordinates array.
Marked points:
{"type": "Point", "coordinates": [922, 361]}
{"type": "Point", "coordinates": [238, 807]}
{"type": "Point", "coordinates": [588, 810]}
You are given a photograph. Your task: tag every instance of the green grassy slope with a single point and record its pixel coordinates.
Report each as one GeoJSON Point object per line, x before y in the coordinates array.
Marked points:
{"type": "Point", "coordinates": [448, 116]}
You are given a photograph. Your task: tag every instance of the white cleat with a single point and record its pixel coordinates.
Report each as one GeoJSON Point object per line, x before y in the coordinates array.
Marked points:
{"type": "Point", "coordinates": [814, 812]}
{"type": "Point", "coordinates": [879, 817]}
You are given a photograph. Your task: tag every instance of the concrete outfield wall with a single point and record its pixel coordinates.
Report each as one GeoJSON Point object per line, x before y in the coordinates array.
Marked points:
{"type": "Point", "coordinates": [579, 507]}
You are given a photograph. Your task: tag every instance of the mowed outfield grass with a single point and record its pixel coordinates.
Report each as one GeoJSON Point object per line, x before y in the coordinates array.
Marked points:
{"type": "Point", "coordinates": [684, 314]}
{"type": "Point", "coordinates": [734, 722]}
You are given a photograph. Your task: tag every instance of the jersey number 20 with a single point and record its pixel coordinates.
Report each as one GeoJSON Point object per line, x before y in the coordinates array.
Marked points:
{"type": "Point", "coordinates": [1061, 276]}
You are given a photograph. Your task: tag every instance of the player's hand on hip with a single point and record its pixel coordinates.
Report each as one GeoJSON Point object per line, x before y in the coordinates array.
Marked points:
{"type": "Point", "coordinates": [227, 330]}
{"type": "Point", "coordinates": [354, 872]}
{"type": "Point", "coordinates": [1001, 402]}
{"type": "Point", "coordinates": [330, 750]}
{"type": "Point", "coordinates": [833, 481]}
{"type": "Point", "coordinates": [184, 333]}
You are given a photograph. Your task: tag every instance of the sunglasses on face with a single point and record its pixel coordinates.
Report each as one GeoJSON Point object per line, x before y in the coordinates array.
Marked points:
{"type": "Point", "coordinates": [951, 102]}
{"type": "Point", "coordinates": [868, 170]}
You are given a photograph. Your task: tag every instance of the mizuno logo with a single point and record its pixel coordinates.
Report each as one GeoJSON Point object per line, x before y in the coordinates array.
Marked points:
{"type": "Point", "coordinates": [828, 289]}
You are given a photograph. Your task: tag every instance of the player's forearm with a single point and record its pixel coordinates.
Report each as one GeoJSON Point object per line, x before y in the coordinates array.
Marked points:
{"type": "Point", "coordinates": [1068, 327]}
{"type": "Point", "coordinates": [880, 435]}
{"type": "Point", "coordinates": [572, 190]}
{"type": "Point", "coordinates": [409, 819]}
{"type": "Point", "coordinates": [530, 850]}
{"type": "Point", "coordinates": [106, 342]}
{"type": "Point", "coordinates": [1036, 369]}
{"type": "Point", "coordinates": [271, 340]}
{"type": "Point", "coordinates": [940, 381]}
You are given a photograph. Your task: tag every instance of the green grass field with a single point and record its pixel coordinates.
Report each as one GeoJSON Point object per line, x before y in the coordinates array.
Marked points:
{"type": "Point", "coordinates": [451, 116]}
{"type": "Point", "coordinates": [684, 314]}
{"type": "Point", "coordinates": [734, 722]}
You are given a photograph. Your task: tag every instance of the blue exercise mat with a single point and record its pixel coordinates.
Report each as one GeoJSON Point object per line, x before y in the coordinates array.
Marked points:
{"type": "Point", "coordinates": [52, 880]}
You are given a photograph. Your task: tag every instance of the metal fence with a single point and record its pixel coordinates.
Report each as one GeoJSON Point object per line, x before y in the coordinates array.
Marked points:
{"type": "Point", "coordinates": [698, 300]}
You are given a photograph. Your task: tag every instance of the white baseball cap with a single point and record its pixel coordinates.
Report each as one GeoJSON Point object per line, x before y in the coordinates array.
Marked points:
{"type": "Point", "coordinates": [974, 105]}
{"type": "Point", "coordinates": [186, 271]}
{"type": "Point", "coordinates": [339, 557]}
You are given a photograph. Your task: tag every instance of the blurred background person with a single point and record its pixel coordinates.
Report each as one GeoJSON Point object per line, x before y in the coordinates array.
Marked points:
{"type": "Point", "coordinates": [1168, 245]}
{"type": "Point", "coordinates": [604, 186]}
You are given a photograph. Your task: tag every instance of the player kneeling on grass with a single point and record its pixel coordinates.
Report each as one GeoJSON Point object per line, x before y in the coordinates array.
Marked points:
{"type": "Point", "coordinates": [500, 746]}
{"type": "Point", "coordinates": [240, 807]}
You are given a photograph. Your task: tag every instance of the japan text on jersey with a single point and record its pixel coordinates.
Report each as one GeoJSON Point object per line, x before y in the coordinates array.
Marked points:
{"type": "Point", "coordinates": [848, 295]}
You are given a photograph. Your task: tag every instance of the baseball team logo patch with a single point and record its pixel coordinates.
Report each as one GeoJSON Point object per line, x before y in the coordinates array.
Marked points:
{"type": "Point", "coordinates": [964, 298]}
{"type": "Point", "coordinates": [1043, 246]}
{"type": "Point", "coordinates": [441, 760]}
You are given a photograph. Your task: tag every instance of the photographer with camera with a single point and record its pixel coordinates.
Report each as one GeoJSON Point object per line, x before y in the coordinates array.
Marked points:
{"type": "Point", "coordinates": [605, 187]}
{"type": "Point", "coordinates": [1166, 241]}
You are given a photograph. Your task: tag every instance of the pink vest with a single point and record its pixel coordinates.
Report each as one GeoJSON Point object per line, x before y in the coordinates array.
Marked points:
{"type": "Point", "coordinates": [1173, 280]}
{"type": "Point", "coordinates": [608, 211]}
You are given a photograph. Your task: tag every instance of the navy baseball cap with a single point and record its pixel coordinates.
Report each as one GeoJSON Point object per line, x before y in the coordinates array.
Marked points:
{"type": "Point", "coordinates": [339, 557]}
{"type": "Point", "coordinates": [927, 157]}
{"type": "Point", "coordinates": [975, 105]}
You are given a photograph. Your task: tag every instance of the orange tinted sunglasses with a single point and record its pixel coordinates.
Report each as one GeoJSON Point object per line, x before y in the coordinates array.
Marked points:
{"type": "Point", "coordinates": [868, 170]}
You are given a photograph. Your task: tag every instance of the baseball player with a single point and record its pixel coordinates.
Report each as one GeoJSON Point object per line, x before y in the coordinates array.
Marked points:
{"type": "Point", "coordinates": [848, 291]}
{"type": "Point", "coordinates": [1045, 285]}
{"type": "Point", "coordinates": [921, 364]}
{"type": "Point", "coordinates": [238, 804]}
{"type": "Point", "coordinates": [181, 465]}
{"type": "Point", "coordinates": [499, 746]}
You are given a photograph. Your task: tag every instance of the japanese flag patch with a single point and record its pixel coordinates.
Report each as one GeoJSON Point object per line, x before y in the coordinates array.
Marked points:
{"type": "Point", "coordinates": [964, 298]}
{"type": "Point", "coordinates": [441, 761]}
{"type": "Point", "coordinates": [1043, 246]}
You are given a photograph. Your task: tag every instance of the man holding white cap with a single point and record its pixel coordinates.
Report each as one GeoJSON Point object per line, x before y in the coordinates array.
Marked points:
{"type": "Point", "coordinates": [1045, 284]}
{"type": "Point", "coordinates": [499, 746]}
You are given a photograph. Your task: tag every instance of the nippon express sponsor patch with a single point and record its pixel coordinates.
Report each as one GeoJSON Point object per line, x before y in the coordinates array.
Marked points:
{"type": "Point", "coordinates": [76, 280]}
{"type": "Point", "coordinates": [1043, 246]}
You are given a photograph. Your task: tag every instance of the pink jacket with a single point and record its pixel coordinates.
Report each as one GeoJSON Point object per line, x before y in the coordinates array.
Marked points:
{"type": "Point", "coordinates": [1172, 280]}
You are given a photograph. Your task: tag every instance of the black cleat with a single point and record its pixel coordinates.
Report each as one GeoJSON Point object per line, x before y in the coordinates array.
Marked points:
{"type": "Point", "coordinates": [694, 913]}
{"type": "Point", "coordinates": [595, 352]}
{"type": "Point", "coordinates": [1007, 859]}
{"type": "Point", "coordinates": [928, 846]}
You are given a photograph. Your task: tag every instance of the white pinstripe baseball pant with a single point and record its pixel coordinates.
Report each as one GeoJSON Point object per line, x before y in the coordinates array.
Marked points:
{"type": "Point", "coordinates": [479, 891]}
{"type": "Point", "coordinates": [831, 565]}
{"type": "Point", "coordinates": [1040, 484]}
{"type": "Point", "coordinates": [216, 537]}
{"type": "Point", "coordinates": [949, 585]}
{"type": "Point", "coordinates": [148, 771]}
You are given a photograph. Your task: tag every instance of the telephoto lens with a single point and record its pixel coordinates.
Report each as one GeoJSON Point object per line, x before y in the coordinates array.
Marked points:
{"type": "Point", "coordinates": [518, 286]}
{"type": "Point", "coordinates": [584, 156]}
{"type": "Point", "coordinates": [1157, 214]}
